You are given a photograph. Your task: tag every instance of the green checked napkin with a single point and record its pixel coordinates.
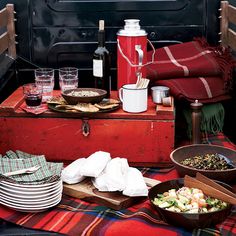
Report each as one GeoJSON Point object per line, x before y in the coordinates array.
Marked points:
{"type": "Point", "coordinates": [49, 171]}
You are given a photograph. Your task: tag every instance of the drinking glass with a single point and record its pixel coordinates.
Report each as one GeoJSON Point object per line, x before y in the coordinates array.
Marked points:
{"type": "Point", "coordinates": [33, 95]}
{"type": "Point", "coordinates": [68, 78]}
{"type": "Point", "coordinates": [45, 78]}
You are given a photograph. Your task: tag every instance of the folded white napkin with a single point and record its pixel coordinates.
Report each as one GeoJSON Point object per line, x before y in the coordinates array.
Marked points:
{"type": "Point", "coordinates": [135, 184]}
{"type": "Point", "coordinates": [71, 174]}
{"type": "Point", "coordinates": [95, 164]}
{"type": "Point", "coordinates": [113, 177]}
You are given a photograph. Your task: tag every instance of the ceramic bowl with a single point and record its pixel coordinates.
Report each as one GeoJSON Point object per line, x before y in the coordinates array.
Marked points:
{"type": "Point", "coordinates": [84, 95]}
{"type": "Point", "coordinates": [188, 151]}
{"type": "Point", "coordinates": [186, 220]}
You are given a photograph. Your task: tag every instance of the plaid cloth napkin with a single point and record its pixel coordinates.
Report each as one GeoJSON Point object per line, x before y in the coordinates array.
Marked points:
{"type": "Point", "coordinates": [13, 161]}
{"type": "Point", "coordinates": [40, 110]}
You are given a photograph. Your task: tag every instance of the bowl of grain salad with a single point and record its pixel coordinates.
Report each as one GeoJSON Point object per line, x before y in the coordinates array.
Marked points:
{"type": "Point", "coordinates": [213, 161]}
{"type": "Point", "coordinates": [83, 95]}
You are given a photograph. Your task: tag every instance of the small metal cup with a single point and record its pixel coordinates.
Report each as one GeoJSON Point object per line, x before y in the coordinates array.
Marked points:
{"type": "Point", "coordinates": [159, 92]}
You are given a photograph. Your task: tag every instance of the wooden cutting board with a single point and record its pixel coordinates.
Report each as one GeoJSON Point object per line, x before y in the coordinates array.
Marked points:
{"type": "Point", "coordinates": [116, 200]}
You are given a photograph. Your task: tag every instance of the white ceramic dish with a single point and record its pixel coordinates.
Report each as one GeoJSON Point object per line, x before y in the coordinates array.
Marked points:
{"type": "Point", "coordinates": [31, 193]}
{"type": "Point", "coordinates": [31, 185]}
{"type": "Point", "coordinates": [30, 200]}
{"type": "Point", "coordinates": [30, 205]}
{"type": "Point", "coordinates": [21, 195]}
{"type": "Point", "coordinates": [30, 189]}
{"type": "Point", "coordinates": [31, 209]}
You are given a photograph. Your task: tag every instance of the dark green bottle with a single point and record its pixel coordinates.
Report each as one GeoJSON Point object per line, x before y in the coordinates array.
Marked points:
{"type": "Point", "coordinates": [101, 62]}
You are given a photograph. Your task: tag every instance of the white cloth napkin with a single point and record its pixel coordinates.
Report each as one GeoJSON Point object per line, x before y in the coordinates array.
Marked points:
{"type": "Point", "coordinates": [113, 177]}
{"type": "Point", "coordinates": [95, 164]}
{"type": "Point", "coordinates": [71, 174]}
{"type": "Point", "coordinates": [135, 184]}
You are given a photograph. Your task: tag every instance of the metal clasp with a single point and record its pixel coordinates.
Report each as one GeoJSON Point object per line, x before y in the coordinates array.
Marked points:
{"type": "Point", "coordinates": [85, 127]}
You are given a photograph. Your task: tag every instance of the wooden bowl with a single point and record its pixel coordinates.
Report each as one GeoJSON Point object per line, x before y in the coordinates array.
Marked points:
{"type": "Point", "coordinates": [189, 151]}
{"type": "Point", "coordinates": [186, 220]}
{"type": "Point", "coordinates": [73, 100]}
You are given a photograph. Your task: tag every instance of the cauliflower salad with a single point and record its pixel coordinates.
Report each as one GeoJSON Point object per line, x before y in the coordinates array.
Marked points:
{"type": "Point", "coordinates": [189, 200]}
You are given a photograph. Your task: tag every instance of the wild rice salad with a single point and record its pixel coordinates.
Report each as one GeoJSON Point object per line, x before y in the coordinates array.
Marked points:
{"type": "Point", "coordinates": [189, 200]}
{"type": "Point", "coordinates": [207, 162]}
{"type": "Point", "coordinates": [83, 93]}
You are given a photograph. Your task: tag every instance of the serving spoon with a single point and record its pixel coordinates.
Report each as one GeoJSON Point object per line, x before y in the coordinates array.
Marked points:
{"type": "Point", "coordinates": [210, 188]}
{"type": "Point", "coordinates": [230, 162]}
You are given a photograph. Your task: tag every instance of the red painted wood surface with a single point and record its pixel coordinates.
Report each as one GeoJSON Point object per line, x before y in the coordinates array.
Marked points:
{"type": "Point", "coordinates": [145, 139]}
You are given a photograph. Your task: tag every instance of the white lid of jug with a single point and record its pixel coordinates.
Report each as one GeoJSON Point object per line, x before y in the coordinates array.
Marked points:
{"type": "Point", "coordinates": [132, 28]}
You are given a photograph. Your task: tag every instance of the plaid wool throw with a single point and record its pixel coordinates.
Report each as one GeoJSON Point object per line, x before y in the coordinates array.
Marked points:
{"type": "Point", "coordinates": [193, 70]}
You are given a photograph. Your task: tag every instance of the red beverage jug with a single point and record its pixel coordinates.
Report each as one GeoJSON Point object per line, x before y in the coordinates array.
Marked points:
{"type": "Point", "coordinates": [131, 53]}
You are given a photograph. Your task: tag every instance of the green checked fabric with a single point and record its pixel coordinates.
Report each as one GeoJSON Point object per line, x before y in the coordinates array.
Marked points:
{"type": "Point", "coordinates": [21, 154]}
{"type": "Point", "coordinates": [54, 168]}
{"type": "Point", "coordinates": [11, 154]}
{"type": "Point", "coordinates": [12, 161]}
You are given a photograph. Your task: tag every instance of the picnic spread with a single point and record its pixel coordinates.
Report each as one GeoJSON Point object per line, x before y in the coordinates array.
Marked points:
{"type": "Point", "coordinates": [107, 196]}
{"type": "Point", "coordinates": [73, 216]}
{"type": "Point", "coordinates": [143, 151]}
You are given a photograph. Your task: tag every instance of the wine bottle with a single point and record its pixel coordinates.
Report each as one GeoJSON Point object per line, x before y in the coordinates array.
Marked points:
{"type": "Point", "coordinates": [101, 62]}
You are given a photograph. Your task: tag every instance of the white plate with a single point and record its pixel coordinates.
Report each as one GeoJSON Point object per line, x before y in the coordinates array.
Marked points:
{"type": "Point", "coordinates": [31, 205]}
{"type": "Point", "coordinates": [30, 200]}
{"type": "Point", "coordinates": [29, 189]}
{"type": "Point", "coordinates": [21, 195]}
{"type": "Point", "coordinates": [31, 185]}
{"type": "Point", "coordinates": [31, 193]}
{"type": "Point", "coordinates": [33, 209]}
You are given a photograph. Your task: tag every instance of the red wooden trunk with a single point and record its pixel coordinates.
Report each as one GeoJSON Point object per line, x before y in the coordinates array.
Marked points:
{"type": "Point", "coordinates": [145, 139]}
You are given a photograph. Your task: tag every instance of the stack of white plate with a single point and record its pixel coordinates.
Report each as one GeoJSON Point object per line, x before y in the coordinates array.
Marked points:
{"type": "Point", "coordinates": [30, 198]}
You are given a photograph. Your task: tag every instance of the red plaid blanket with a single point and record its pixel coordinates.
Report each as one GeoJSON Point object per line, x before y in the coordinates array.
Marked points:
{"type": "Point", "coordinates": [204, 89]}
{"type": "Point", "coordinates": [76, 217]}
{"type": "Point", "coordinates": [194, 70]}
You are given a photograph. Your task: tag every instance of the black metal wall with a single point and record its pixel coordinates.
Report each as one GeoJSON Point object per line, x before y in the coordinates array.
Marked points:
{"type": "Point", "coordinates": [60, 33]}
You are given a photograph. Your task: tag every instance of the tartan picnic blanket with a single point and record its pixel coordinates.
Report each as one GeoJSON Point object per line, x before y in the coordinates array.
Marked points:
{"type": "Point", "coordinates": [193, 70]}
{"type": "Point", "coordinates": [76, 217]}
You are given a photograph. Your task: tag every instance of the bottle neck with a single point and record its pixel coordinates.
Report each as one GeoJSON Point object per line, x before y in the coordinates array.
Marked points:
{"type": "Point", "coordinates": [101, 38]}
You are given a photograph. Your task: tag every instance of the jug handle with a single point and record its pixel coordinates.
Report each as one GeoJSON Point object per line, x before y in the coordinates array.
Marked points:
{"type": "Point", "coordinates": [130, 63]}
{"type": "Point", "coordinates": [140, 54]}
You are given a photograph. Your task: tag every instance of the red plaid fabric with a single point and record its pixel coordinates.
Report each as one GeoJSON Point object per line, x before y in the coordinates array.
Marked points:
{"type": "Point", "coordinates": [204, 89]}
{"type": "Point", "coordinates": [219, 139]}
{"type": "Point", "coordinates": [75, 217]}
{"type": "Point", "coordinates": [194, 70]}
